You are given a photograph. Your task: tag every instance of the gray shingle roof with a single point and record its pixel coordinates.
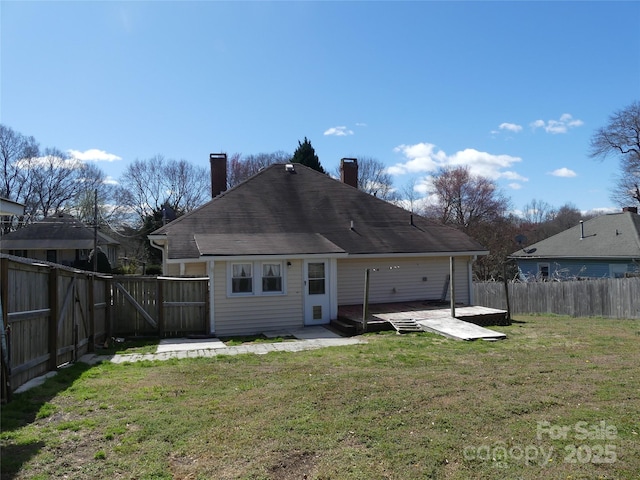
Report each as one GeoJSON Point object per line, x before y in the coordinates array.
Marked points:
{"type": "Point", "coordinates": [54, 233]}
{"type": "Point", "coordinates": [280, 212]}
{"type": "Point", "coordinates": [614, 235]}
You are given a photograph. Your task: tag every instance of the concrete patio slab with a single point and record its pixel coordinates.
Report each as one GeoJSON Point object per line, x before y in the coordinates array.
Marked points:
{"type": "Point", "coordinates": [188, 344]}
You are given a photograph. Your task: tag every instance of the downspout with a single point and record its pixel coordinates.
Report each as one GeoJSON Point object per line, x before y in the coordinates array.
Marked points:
{"type": "Point", "coordinates": [212, 304]}
{"type": "Point", "coordinates": [161, 248]}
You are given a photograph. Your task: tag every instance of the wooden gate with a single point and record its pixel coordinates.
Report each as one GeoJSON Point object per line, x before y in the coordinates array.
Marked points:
{"type": "Point", "coordinates": [165, 307]}
{"type": "Point", "coordinates": [51, 315]}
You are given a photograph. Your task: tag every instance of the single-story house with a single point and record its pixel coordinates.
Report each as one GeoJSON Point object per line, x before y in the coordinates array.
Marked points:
{"type": "Point", "coordinates": [605, 246]}
{"type": "Point", "coordinates": [289, 245]}
{"type": "Point", "coordinates": [59, 239]}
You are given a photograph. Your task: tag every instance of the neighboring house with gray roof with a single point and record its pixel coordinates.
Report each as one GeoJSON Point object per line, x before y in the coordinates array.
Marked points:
{"type": "Point", "coordinates": [605, 246]}
{"type": "Point", "coordinates": [289, 245]}
{"type": "Point", "coordinates": [59, 239]}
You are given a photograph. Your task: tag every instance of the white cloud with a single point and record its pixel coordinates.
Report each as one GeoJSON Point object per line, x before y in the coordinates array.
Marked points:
{"type": "Point", "coordinates": [426, 157]}
{"type": "Point", "coordinates": [562, 125]}
{"type": "Point", "coordinates": [49, 161]}
{"type": "Point", "coordinates": [93, 155]}
{"type": "Point", "coordinates": [511, 127]}
{"type": "Point", "coordinates": [509, 175]}
{"type": "Point", "coordinates": [515, 186]}
{"type": "Point", "coordinates": [361, 125]}
{"type": "Point", "coordinates": [110, 180]}
{"type": "Point", "coordinates": [339, 131]}
{"type": "Point", "coordinates": [563, 172]}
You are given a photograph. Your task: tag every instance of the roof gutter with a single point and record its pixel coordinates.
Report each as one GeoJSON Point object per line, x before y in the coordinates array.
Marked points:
{"type": "Point", "coordinates": [471, 253]}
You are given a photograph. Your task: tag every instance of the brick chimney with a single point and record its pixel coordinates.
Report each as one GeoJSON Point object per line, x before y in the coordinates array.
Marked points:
{"type": "Point", "coordinates": [630, 209]}
{"type": "Point", "coordinates": [349, 171]}
{"type": "Point", "coordinates": [218, 173]}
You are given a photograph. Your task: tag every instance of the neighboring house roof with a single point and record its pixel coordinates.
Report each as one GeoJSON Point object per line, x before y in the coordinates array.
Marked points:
{"type": "Point", "coordinates": [612, 236]}
{"type": "Point", "coordinates": [9, 207]}
{"type": "Point", "coordinates": [59, 232]}
{"type": "Point", "coordinates": [278, 211]}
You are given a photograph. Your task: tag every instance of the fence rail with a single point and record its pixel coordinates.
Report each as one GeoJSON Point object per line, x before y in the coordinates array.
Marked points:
{"type": "Point", "coordinates": [52, 315]}
{"type": "Point", "coordinates": [609, 298]}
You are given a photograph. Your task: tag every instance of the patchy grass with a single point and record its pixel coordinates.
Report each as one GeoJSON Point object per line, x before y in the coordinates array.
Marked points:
{"type": "Point", "coordinates": [118, 346]}
{"type": "Point", "coordinates": [558, 399]}
{"type": "Point", "coordinates": [253, 339]}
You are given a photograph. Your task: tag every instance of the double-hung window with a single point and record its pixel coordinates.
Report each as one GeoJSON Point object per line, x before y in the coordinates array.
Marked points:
{"type": "Point", "coordinates": [256, 278]}
{"type": "Point", "coordinates": [271, 277]}
{"type": "Point", "coordinates": [242, 278]}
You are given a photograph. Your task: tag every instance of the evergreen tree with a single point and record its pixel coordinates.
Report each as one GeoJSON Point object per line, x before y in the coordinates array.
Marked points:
{"type": "Point", "coordinates": [306, 155]}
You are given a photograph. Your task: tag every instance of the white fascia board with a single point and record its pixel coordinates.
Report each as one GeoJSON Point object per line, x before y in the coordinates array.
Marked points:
{"type": "Point", "coordinates": [297, 256]}
{"type": "Point", "coordinates": [157, 238]}
{"type": "Point", "coordinates": [417, 254]}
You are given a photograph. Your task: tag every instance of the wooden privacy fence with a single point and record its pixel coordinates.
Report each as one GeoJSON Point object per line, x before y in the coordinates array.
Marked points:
{"type": "Point", "coordinates": [609, 297]}
{"type": "Point", "coordinates": [52, 315]}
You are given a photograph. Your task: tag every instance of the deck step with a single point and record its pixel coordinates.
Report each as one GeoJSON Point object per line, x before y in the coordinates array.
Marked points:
{"type": "Point", "coordinates": [405, 325]}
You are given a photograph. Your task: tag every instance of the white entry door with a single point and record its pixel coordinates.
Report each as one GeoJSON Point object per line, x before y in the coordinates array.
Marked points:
{"type": "Point", "coordinates": [317, 300]}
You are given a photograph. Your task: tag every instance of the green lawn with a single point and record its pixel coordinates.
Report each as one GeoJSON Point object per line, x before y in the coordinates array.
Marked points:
{"type": "Point", "coordinates": [559, 399]}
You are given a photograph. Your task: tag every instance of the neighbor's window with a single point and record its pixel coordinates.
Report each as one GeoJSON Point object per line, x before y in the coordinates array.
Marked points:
{"type": "Point", "coordinates": [271, 277]}
{"type": "Point", "coordinates": [241, 278]}
{"type": "Point", "coordinates": [543, 270]}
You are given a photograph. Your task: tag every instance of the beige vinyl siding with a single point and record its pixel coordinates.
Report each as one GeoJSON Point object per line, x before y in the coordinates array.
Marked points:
{"type": "Point", "coordinates": [195, 269]}
{"type": "Point", "coordinates": [172, 270]}
{"type": "Point", "coordinates": [406, 283]}
{"type": "Point", "coordinates": [198, 269]}
{"type": "Point", "coordinates": [247, 315]}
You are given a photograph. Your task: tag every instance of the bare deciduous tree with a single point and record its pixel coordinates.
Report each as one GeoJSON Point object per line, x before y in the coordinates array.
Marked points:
{"type": "Point", "coordinates": [537, 212]}
{"type": "Point", "coordinates": [374, 179]}
{"type": "Point", "coordinates": [473, 203]}
{"type": "Point", "coordinates": [240, 168]}
{"type": "Point", "coordinates": [57, 177]}
{"type": "Point", "coordinates": [621, 137]}
{"type": "Point", "coordinates": [463, 199]}
{"type": "Point", "coordinates": [16, 151]}
{"type": "Point", "coordinates": [147, 186]}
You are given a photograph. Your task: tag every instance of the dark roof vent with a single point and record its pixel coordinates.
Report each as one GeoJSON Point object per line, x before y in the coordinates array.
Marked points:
{"type": "Point", "coordinates": [630, 209]}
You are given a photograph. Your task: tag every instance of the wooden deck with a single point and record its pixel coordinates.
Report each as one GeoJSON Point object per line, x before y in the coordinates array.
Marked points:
{"type": "Point", "coordinates": [432, 317]}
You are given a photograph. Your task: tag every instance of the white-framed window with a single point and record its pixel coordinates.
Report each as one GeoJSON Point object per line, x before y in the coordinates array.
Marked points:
{"type": "Point", "coordinates": [241, 278]}
{"type": "Point", "coordinates": [256, 278]}
{"type": "Point", "coordinates": [272, 277]}
{"type": "Point", "coordinates": [543, 271]}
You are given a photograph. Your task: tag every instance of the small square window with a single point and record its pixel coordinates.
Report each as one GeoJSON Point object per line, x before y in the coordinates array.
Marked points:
{"type": "Point", "coordinates": [543, 270]}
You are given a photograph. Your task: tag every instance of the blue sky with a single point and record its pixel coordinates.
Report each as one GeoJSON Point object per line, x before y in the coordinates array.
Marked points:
{"type": "Point", "coordinates": [515, 90]}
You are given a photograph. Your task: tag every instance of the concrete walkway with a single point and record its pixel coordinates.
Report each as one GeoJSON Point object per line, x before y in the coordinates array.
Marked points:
{"type": "Point", "coordinates": [308, 338]}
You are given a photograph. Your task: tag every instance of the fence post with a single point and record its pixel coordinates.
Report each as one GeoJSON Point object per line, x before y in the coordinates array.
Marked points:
{"type": "Point", "coordinates": [108, 300]}
{"type": "Point", "coordinates": [160, 301]}
{"type": "Point", "coordinates": [7, 391]}
{"type": "Point", "coordinates": [506, 292]}
{"type": "Point", "coordinates": [92, 314]}
{"type": "Point", "coordinates": [452, 285]}
{"type": "Point", "coordinates": [53, 319]}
